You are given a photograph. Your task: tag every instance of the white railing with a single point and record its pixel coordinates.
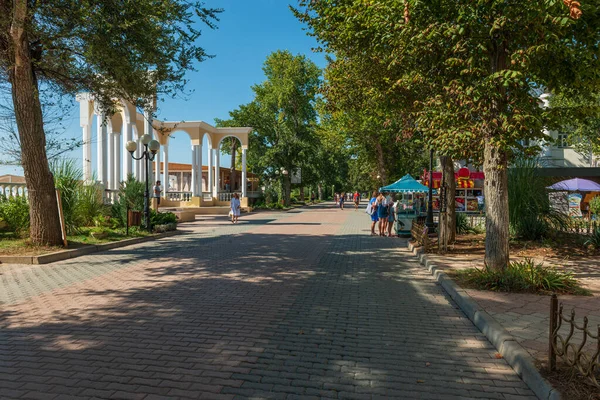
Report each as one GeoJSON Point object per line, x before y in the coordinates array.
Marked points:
{"type": "Point", "coordinates": [111, 196]}
{"type": "Point", "coordinates": [179, 196]}
{"type": "Point", "coordinates": [226, 196]}
{"type": "Point", "coordinates": [13, 189]}
{"type": "Point", "coordinates": [207, 196]}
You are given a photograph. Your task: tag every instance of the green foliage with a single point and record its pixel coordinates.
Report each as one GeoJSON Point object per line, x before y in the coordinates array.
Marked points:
{"type": "Point", "coordinates": [89, 204]}
{"type": "Point", "coordinates": [593, 239]}
{"type": "Point", "coordinates": [162, 218]}
{"type": "Point", "coordinates": [131, 195]}
{"type": "Point", "coordinates": [521, 276]}
{"type": "Point", "coordinates": [67, 179]}
{"type": "Point", "coordinates": [14, 211]}
{"type": "Point", "coordinates": [595, 206]}
{"type": "Point", "coordinates": [463, 226]}
{"type": "Point", "coordinates": [530, 214]}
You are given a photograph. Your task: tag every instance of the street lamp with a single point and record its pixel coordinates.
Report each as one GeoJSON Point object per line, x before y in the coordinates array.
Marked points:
{"type": "Point", "coordinates": [151, 147]}
{"type": "Point", "coordinates": [429, 221]}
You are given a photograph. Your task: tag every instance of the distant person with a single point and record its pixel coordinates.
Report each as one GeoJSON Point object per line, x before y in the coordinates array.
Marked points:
{"type": "Point", "coordinates": [312, 197]}
{"type": "Point", "coordinates": [235, 208]}
{"type": "Point", "coordinates": [156, 191]}
{"type": "Point", "coordinates": [391, 215]}
{"type": "Point", "coordinates": [356, 200]}
{"type": "Point", "coordinates": [373, 208]}
{"type": "Point", "coordinates": [382, 214]}
{"type": "Point", "coordinates": [342, 200]}
{"type": "Point", "coordinates": [336, 198]}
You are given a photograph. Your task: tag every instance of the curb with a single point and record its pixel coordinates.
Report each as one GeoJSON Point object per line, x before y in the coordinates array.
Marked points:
{"type": "Point", "coordinates": [66, 254]}
{"type": "Point", "coordinates": [514, 354]}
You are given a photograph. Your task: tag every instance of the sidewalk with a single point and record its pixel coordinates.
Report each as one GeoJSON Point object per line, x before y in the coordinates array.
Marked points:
{"type": "Point", "coordinates": [527, 316]}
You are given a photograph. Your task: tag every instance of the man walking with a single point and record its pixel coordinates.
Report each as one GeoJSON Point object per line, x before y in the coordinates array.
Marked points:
{"type": "Point", "coordinates": [356, 200]}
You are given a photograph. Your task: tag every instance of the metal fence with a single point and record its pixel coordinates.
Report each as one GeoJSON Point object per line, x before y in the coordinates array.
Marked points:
{"type": "Point", "coordinates": [574, 344]}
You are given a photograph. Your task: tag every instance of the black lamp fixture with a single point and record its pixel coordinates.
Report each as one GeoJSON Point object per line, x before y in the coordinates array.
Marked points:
{"type": "Point", "coordinates": [151, 147]}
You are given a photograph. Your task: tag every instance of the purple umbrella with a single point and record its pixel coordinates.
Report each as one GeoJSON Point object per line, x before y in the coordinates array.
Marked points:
{"type": "Point", "coordinates": [576, 185]}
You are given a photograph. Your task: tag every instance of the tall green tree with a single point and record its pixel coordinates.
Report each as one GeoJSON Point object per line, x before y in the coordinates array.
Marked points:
{"type": "Point", "coordinates": [476, 70]}
{"type": "Point", "coordinates": [283, 116]}
{"type": "Point", "coordinates": [103, 47]}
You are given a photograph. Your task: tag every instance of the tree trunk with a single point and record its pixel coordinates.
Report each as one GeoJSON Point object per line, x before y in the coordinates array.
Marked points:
{"type": "Point", "coordinates": [320, 190]}
{"type": "Point", "coordinates": [43, 210]}
{"type": "Point", "coordinates": [302, 193]}
{"type": "Point", "coordinates": [232, 171]}
{"type": "Point", "coordinates": [448, 230]}
{"type": "Point", "coordinates": [496, 206]}
{"type": "Point", "coordinates": [380, 163]}
{"type": "Point", "coordinates": [287, 189]}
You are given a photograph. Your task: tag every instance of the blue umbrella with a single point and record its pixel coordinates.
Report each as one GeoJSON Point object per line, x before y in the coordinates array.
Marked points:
{"type": "Point", "coordinates": [576, 185]}
{"type": "Point", "coordinates": [405, 185]}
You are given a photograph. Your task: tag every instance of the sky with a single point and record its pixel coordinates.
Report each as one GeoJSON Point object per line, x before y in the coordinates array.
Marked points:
{"type": "Point", "coordinates": [247, 33]}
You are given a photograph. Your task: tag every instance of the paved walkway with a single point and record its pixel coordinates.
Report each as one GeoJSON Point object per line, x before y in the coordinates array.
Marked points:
{"type": "Point", "coordinates": [303, 304]}
{"type": "Point", "coordinates": [527, 316]}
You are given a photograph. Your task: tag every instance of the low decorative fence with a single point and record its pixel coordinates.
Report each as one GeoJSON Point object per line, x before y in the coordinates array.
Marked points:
{"type": "Point", "coordinates": [227, 196]}
{"type": "Point", "coordinates": [419, 233]}
{"type": "Point", "coordinates": [576, 353]}
{"type": "Point", "coordinates": [13, 189]}
{"type": "Point", "coordinates": [207, 196]}
{"type": "Point", "coordinates": [178, 196]}
{"type": "Point", "coordinates": [581, 226]}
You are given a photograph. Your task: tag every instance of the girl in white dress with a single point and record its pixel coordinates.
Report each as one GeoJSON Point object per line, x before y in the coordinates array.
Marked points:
{"type": "Point", "coordinates": [235, 208]}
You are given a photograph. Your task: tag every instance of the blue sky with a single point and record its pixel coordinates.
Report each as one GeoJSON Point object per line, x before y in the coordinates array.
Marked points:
{"type": "Point", "coordinates": [248, 32]}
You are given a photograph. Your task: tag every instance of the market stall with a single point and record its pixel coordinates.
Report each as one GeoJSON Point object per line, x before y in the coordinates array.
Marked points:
{"type": "Point", "coordinates": [567, 195]}
{"type": "Point", "coordinates": [469, 190]}
{"type": "Point", "coordinates": [410, 204]}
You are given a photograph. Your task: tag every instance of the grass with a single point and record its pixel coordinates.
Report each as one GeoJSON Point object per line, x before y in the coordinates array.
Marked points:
{"type": "Point", "coordinates": [12, 245]}
{"type": "Point", "coordinates": [521, 277]}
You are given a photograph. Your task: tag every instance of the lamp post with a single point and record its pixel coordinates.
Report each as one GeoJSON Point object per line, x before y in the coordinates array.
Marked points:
{"type": "Point", "coordinates": [151, 147]}
{"type": "Point", "coordinates": [429, 222]}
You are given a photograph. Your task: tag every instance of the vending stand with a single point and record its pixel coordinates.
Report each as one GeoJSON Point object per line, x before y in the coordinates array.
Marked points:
{"type": "Point", "coordinates": [410, 204]}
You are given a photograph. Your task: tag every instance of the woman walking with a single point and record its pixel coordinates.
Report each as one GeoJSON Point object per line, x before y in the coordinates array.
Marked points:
{"type": "Point", "coordinates": [342, 199]}
{"type": "Point", "coordinates": [382, 214]}
{"type": "Point", "coordinates": [235, 208]}
{"type": "Point", "coordinates": [374, 216]}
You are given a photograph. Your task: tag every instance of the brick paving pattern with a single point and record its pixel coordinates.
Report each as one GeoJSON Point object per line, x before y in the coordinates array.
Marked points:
{"type": "Point", "coordinates": [527, 316]}
{"type": "Point", "coordinates": [296, 305]}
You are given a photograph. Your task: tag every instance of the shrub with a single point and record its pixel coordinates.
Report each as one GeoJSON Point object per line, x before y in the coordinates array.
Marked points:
{"type": "Point", "coordinates": [593, 239]}
{"type": "Point", "coordinates": [131, 194]}
{"type": "Point", "coordinates": [14, 211]}
{"type": "Point", "coordinates": [595, 206]}
{"type": "Point", "coordinates": [162, 218]}
{"type": "Point", "coordinates": [90, 204]}
{"type": "Point", "coordinates": [67, 179]}
{"type": "Point", "coordinates": [530, 214]}
{"type": "Point", "coordinates": [522, 276]}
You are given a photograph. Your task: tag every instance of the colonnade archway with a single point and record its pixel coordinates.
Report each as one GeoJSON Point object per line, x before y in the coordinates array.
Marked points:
{"type": "Point", "coordinates": [113, 163]}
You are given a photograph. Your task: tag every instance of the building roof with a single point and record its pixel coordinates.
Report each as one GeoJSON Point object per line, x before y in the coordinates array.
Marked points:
{"type": "Point", "coordinates": [12, 179]}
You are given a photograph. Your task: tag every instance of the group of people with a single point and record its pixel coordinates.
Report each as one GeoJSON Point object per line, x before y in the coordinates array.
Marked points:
{"type": "Point", "coordinates": [340, 199]}
{"type": "Point", "coordinates": [382, 211]}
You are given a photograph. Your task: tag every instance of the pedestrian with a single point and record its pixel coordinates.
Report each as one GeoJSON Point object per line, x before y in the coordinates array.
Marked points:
{"type": "Point", "coordinates": [312, 197]}
{"type": "Point", "coordinates": [342, 199]}
{"type": "Point", "coordinates": [373, 209]}
{"type": "Point", "coordinates": [335, 197]}
{"type": "Point", "coordinates": [356, 200]}
{"type": "Point", "coordinates": [391, 215]}
{"type": "Point", "coordinates": [156, 191]}
{"type": "Point", "coordinates": [382, 213]}
{"type": "Point", "coordinates": [235, 208]}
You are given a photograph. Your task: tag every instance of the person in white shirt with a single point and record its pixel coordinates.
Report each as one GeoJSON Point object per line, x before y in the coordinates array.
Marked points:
{"type": "Point", "coordinates": [235, 208]}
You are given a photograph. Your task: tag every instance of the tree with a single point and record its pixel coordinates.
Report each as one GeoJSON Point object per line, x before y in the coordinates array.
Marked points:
{"type": "Point", "coordinates": [103, 47]}
{"type": "Point", "coordinates": [478, 68]}
{"type": "Point", "coordinates": [283, 116]}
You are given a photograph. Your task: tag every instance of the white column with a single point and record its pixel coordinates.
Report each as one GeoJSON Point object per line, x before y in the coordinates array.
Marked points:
{"type": "Point", "coordinates": [166, 169]}
{"type": "Point", "coordinates": [199, 168]}
{"type": "Point", "coordinates": [116, 136]}
{"type": "Point", "coordinates": [217, 187]}
{"type": "Point", "coordinates": [194, 188]}
{"type": "Point", "coordinates": [139, 171]}
{"type": "Point", "coordinates": [210, 171]}
{"type": "Point", "coordinates": [244, 185]}
{"type": "Point", "coordinates": [101, 161]}
{"type": "Point", "coordinates": [127, 160]}
{"type": "Point", "coordinates": [87, 153]}
{"type": "Point", "coordinates": [110, 177]}
{"type": "Point", "coordinates": [157, 169]}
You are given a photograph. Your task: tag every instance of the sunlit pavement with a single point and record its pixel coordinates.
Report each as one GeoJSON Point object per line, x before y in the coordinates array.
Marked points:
{"type": "Point", "coordinates": [304, 304]}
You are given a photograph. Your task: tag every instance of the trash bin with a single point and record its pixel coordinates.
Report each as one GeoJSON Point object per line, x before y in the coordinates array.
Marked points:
{"type": "Point", "coordinates": [134, 218]}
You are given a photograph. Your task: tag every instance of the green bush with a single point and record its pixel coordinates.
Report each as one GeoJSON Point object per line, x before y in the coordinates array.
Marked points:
{"type": "Point", "coordinates": [595, 206]}
{"type": "Point", "coordinates": [521, 276]}
{"type": "Point", "coordinates": [67, 179]}
{"type": "Point", "coordinates": [131, 195]}
{"type": "Point", "coordinates": [14, 211]}
{"type": "Point", "coordinates": [162, 218]}
{"type": "Point", "coordinates": [593, 239]}
{"type": "Point", "coordinates": [530, 215]}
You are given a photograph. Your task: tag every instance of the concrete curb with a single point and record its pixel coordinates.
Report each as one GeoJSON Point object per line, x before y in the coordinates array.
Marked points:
{"type": "Point", "coordinates": [514, 354]}
{"type": "Point", "coordinates": [73, 253]}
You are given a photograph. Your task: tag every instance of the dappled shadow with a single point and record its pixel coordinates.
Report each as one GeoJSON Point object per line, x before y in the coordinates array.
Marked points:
{"type": "Point", "coordinates": [252, 314]}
